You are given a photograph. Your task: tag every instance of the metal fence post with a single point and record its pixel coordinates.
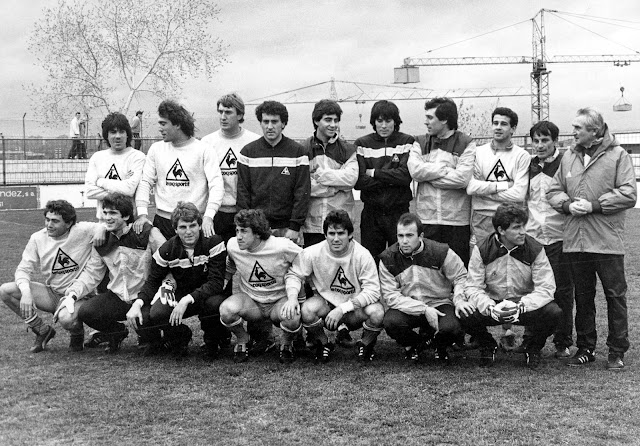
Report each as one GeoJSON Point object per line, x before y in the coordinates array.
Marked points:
{"type": "Point", "coordinates": [4, 162]}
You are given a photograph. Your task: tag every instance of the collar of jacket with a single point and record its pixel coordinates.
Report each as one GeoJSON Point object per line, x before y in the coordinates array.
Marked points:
{"type": "Point", "coordinates": [598, 146]}
{"type": "Point", "coordinates": [495, 149]}
{"type": "Point", "coordinates": [389, 138]}
{"type": "Point", "coordinates": [318, 141]}
{"type": "Point", "coordinates": [414, 253]}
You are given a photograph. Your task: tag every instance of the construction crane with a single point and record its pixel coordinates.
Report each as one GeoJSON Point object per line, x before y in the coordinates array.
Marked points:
{"type": "Point", "coordinates": [409, 71]}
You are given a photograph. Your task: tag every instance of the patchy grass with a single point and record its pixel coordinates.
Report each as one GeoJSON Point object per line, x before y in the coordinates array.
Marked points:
{"type": "Point", "coordinates": [56, 397]}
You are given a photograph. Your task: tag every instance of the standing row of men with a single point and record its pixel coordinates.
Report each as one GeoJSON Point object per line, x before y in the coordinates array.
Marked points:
{"type": "Point", "coordinates": [459, 189]}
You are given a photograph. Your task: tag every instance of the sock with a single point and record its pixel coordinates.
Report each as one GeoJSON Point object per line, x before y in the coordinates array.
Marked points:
{"type": "Point", "coordinates": [316, 332]}
{"type": "Point", "coordinates": [369, 334]}
{"type": "Point", "coordinates": [289, 335]}
{"type": "Point", "coordinates": [36, 324]}
{"type": "Point", "coordinates": [242, 337]}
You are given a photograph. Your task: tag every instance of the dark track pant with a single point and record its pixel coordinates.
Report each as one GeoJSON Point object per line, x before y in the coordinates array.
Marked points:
{"type": "Point", "coordinates": [457, 237]}
{"type": "Point", "coordinates": [105, 311]}
{"type": "Point", "coordinates": [400, 326]}
{"type": "Point", "coordinates": [378, 228]}
{"type": "Point", "coordinates": [610, 270]}
{"type": "Point", "coordinates": [540, 324]}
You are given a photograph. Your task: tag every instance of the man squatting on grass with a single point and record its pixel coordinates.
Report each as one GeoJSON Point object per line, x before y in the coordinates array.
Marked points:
{"type": "Point", "coordinates": [261, 261]}
{"type": "Point", "coordinates": [593, 187]}
{"type": "Point", "coordinates": [197, 264]}
{"type": "Point", "coordinates": [61, 249]}
{"type": "Point", "coordinates": [416, 277]}
{"type": "Point", "coordinates": [510, 281]}
{"type": "Point", "coordinates": [347, 289]}
{"type": "Point", "coordinates": [126, 256]}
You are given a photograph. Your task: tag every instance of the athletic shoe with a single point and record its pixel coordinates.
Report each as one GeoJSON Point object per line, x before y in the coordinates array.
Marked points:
{"type": "Point", "coordinates": [240, 353]}
{"type": "Point", "coordinates": [287, 355]}
{"type": "Point", "coordinates": [344, 339]}
{"type": "Point", "coordinates": [562, 352]}
{"type": "Point", "coordinates": [76, 342]}
{"type": "Point", "coordinates": [487, 356]}
{"type": "Point", "coordinates": [153, 349]}
{"type": "Point", "coordinates": [46, 334]}
{"type": "Point", "coordinates": [442, 355]}
{"type": "Point", "coordinates": [366, 353]}
{"type": "Point", "coordinates": [264, 345]}
{"type": "Point", "coordinates": [583, 356]}
{"type": "Point", "coordinates": [508, 341]}
{"type": "Point", "coordinates": [95, 339]}
{"type": "Point", "coordinates": [323, 352]}
{"type": "Point", "coordinates": [115, 341]}
{"type": "Point", "coordinates": [615, 362]}
{"type": "Point", "coordinates": [533, 359]}
{"type": "Point", "coordinates": [412, 354]}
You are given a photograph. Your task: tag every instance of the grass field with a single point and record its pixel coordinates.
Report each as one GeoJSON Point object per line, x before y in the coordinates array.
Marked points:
{"type": "Point", "coordinates": [56, 397]}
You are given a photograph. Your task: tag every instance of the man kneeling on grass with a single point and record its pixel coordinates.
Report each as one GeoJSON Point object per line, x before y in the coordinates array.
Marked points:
{"type": "Point", "coordinates": [511, 281]}
{"type": "Point", "coordinates": [60, 249]}
{"type": "Point", "coordinates": [261, 261]}
{"type": "Point", "coordinates": [126, 256]}
{"type": "Point", "coordinates": [417, 277]}
{"type": "Point", "coordinates": [197, 264]}
{"type": "Point", "coordinates": [347, 289]}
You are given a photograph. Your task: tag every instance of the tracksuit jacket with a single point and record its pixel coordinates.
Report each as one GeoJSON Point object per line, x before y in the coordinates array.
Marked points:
{"type": "Point", "coordinates": [545, 224]}
{"type": "Point", "coordinates": [334, 172]}
{"type": "Point", "coordinates": [389, 189]}
{"type": "Point", "coordinates": [609, 183]}
{"type": "Point", "coordinates": [520, 275]}
{"type": "Point", "coordinates": [126, 258]}
{"type": "Point", "coordinates": [276, 180]}
{"type": "Point", "coordinates": [443, 168]}
{"type": "Point", "coordinates": [423, 279]}
{"type": "Point", "coordinates": [201, 276]}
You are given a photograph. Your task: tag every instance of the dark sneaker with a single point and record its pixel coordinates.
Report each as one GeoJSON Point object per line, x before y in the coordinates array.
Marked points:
{"type": "Point", "coordinates": [95, 340]}
{"type": "Point", "coordinates": [153, 349]}
{"type": "Point", "coordinates": [366, 353]}
{"type": "Point", "coordinates": [264, 345]}
{"type": "Point", "coordinates": [413, 354]}
{"type": "Point", "coordinates": [323, 352]}
{"type": "Point", "coordinates": [46, 334]}
{"type": "Point", "coordinates": [442, 355]}
{"type": "Point", "coordinates": [240, 353]}
{"type": "Point", "coordinates": [76, 342]}
{"type": "Point", "coordinates": [583, 356]}
{"type": "Point", "coordinates": [181, 345]}
{"type": "Point", "coordinates": [562, 352]}
{"type": "Point", "coordinates": [615, 362]}
{"type": "Point", "coordinates": [487, 356]}
{"type": "Point", "coordinates": [211, 351]}
{"type": "Point", "coordinates": [115, 341]}
{"type": "Point", "coordinates": [532, 359]}
{"type": "Point", "coordinates": [287, 355]}
{"type": "Point", "coordinates": [472, 344]}
{"type": "Point", "coordinates": [344, 339]}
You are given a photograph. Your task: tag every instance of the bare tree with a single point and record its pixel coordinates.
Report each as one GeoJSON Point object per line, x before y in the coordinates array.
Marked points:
{"type": "Point", "coordinates": [473, 121]}
{"type": "Point", "coordinates": [100, 54]}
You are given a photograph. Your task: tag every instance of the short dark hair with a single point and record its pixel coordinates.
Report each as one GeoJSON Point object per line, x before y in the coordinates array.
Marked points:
{"type": "Point", "coordinates": [508, 213]}
{"type": "Point", "coordinates": [116, 121]}
{"type": "Point", "coordinates": [446, 110]}
{"type": "Point", "coordinates": [386, 110]}
{"type": "Point", "coordinates": [545, 128]}
{"type": "Point", "coordinates": [325, 107]}
{"type": "Point", "coordinates": [272, 108]}
{"type": "Point", "coordinates": [335, 218]}
{"type": "Point", "coordinates": [139, 112]}
{"type": "Point", "coordinates": [121, 203]}
{"type": "Point", "coordinates": [63, 208]}
{"type": "Point", "coordinates": [407, 219]}
{"type": "Point", "coordinates": [504, 111]}
{"type": "Point", "coordinates": [254, 219]}
{"type": "Point", "coordinates": [186, 212]}
{"type": "Point", "coordinates": [178, 115]}
{"type": "Point", "coordinates": [232, 100]}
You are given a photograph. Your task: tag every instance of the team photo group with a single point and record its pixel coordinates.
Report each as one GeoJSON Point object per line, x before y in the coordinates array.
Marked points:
{"type": "Point", "coordinates": [254, 235]}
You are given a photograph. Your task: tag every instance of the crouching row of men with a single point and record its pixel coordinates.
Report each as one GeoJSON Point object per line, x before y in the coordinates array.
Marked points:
{"type": "Point", "coordinates": [419, 283]}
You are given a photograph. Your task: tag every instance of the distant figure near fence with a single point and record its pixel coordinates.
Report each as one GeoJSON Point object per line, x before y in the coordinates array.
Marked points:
{"type": "Point", "coordinates": [77, 145]}
{"type": "Point", "coordinates": [136, 128]}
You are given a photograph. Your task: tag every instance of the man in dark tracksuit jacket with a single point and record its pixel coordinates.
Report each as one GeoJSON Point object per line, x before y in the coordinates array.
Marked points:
{"type": "Point", "coordinates": [273, 174]}
{"type": "Point", "coordinates": [198, 265]}
{"type": "Point", "coordinates": [383, 177]}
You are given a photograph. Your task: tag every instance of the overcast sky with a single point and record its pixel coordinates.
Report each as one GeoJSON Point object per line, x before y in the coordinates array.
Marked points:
{"type": "Point", "coordinates": [281, 45]}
